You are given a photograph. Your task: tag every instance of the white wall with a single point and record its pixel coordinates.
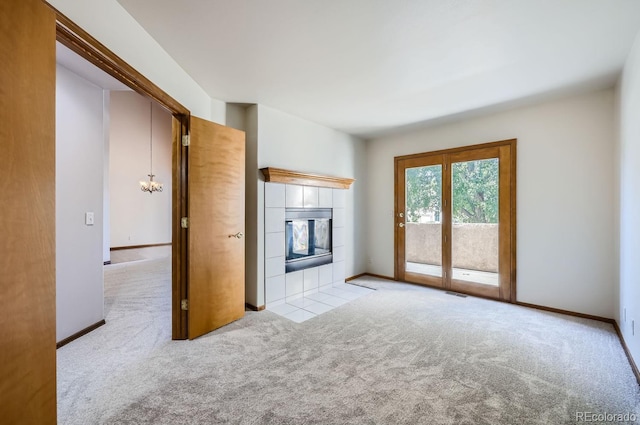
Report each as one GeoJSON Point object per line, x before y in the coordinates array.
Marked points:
{"type": "Point", "coordinates": [138, 218]}
{"type": "Point", "coordinates": [235, 114]}
{"type": "Point", "coordinates": [254, 216]}
{"type": "Point", "coordinates": [79, 174]}
{"type": "Point", "coordinates": [289, 142]}
{"type": "Point", "coordinates": [106, 229]}
{"type": "Point", "coordinates": [628, 175]}
{"type": "Point", "coordinates": [284, 141]}
{"type": "Point", "coordinates": [565, 199]}
{"type": "Point", "coordinates": [111, 24]}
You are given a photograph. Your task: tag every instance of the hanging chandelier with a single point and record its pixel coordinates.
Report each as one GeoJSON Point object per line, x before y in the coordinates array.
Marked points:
{"type": "Point", "coordinates": [151, 186]}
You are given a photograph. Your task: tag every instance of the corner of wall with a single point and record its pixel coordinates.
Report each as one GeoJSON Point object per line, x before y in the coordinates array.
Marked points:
{"type": "Point", "coordinates": [358, 203]}
{"type": "Point", "coordinates": [218, 111]}
{"type": "Point", "coordinates": [254, 280]}
{"type": "Point", "coordinates": [617, 186]}
{"type": "Point", "coordinates": [236, 116]}
{"type": "Point", "coordinates": [106, 230]}
{"type": "Point", "coordinates": [627, 181]}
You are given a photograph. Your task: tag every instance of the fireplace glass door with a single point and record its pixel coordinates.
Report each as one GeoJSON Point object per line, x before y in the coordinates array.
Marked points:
{"type": "Point", "coordinates": [307, 238]}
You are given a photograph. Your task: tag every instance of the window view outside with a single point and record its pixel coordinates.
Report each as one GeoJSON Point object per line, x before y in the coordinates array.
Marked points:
{"type": "Point", "coordinates": [423, 235]}
{"type": "Point", "coordinates": [475, 213]}
{"type": "Point", "coordinates": [475, 191]}
{"type": "Point", "coordinates": [424, 194]}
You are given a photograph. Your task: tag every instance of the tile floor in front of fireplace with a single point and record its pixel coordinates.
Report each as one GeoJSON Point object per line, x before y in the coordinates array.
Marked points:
{"type": "Point", "coordinates": [326, 299]}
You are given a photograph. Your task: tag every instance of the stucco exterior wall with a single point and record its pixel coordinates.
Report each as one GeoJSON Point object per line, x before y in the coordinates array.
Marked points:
{"type": "Point", "coordinates": [475, 246]}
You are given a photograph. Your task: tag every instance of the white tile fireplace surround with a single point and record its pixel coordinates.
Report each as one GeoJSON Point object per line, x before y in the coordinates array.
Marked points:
{"type": "Point", "coordinates": [299, 295]}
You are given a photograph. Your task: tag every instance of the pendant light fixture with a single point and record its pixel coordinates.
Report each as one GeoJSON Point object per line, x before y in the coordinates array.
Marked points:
{"type": "Point", "coordinates": [151, 186]}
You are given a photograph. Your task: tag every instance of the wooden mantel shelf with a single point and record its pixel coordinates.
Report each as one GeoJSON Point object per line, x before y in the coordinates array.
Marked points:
{"type": "Point", "coordinates": [278, 175]}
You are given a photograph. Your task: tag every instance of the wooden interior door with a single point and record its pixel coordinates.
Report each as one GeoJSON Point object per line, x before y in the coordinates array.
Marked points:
{"type": "Point", "coordinates": [216, 187]}
{"type": "Point", "coordinates": [27, 219]}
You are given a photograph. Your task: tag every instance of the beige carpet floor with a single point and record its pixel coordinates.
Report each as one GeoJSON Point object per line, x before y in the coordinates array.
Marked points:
{"type": "Point", "coordinates": [401, 355]}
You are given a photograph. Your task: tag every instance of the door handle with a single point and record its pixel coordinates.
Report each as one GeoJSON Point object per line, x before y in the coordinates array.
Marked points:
{"type": "Point", "coordinates": [238, 235]}
{"type": "Point", "coordinates": [400, 224]}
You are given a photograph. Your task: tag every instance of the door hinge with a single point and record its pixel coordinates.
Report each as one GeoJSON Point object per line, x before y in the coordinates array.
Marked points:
{"type": "Point", "coordinates": [186, 140]}
{"type": "Point", "coordinates": [184, 222]}
{"type": "Point", "coordinates": [184, 304]}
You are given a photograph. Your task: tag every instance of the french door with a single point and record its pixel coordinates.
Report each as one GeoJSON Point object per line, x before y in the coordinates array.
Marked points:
{"type": "Point", "coordinates": [455, 219]}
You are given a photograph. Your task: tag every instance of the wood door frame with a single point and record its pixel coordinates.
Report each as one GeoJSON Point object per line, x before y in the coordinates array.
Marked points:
{"type": "Point", "coordinates": [510, 166]}
{"type": "Point", "coordinates": [82, 43]}
{"type": "Point", "coordinates": [27, 223]}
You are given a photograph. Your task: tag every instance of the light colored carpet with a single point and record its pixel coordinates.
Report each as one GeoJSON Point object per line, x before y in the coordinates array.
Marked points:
{"type": "Point", "coordinates": [401, 355]}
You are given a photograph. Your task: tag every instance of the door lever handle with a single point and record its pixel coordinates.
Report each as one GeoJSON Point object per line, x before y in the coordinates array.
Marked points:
{"type": "Point", "coordinates": [238, 235]}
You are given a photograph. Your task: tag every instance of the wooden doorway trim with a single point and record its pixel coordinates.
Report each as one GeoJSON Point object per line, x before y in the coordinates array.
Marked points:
{"type": "Point", "coordinates": [87, 47]}
{"type": "Point", "coordinates": [82, 43]}
{"type": "Point", "coordinates": [27, 222]}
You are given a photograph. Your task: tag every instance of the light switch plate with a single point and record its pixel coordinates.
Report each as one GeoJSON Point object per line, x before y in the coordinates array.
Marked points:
{"type": "Point", "coordinates": [88, 218]}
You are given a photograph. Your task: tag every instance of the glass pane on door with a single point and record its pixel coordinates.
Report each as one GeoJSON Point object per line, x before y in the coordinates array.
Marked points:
{"type": "Point", "coordinates": [474, 210]}
{"type": "Point", "coordinates": [423, 220]}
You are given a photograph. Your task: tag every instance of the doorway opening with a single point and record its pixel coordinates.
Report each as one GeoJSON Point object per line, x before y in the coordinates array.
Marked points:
{"type": "Point", "coordinates": [455, 219]}
{"type": "Point", "coordinates": [207, 181]}
{"type": "Point", "coordinates": [84, 45]}
{"type": "Point", "coordinates": [104, 134]}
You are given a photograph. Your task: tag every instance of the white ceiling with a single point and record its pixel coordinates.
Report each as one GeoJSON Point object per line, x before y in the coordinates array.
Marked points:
{"type": "Point", "coordinates": [367, 67]}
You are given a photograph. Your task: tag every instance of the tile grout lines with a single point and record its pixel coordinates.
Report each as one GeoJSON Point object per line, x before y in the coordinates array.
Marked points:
{"type": "Point", "coordinates": [312, 305]}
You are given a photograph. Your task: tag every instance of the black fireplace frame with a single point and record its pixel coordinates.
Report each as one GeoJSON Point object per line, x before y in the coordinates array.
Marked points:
{"type": "Point", "coordinates": [312, 260]}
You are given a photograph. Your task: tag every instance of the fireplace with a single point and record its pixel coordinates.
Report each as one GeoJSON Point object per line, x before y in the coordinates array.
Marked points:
{"type": "Point", "coordinates": [307, 238]}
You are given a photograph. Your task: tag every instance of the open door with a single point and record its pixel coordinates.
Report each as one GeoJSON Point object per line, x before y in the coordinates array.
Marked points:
{"type": "Point", "coordinates": [27, 220]}
{"type": "Point", "coordinates": [215, 257]}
